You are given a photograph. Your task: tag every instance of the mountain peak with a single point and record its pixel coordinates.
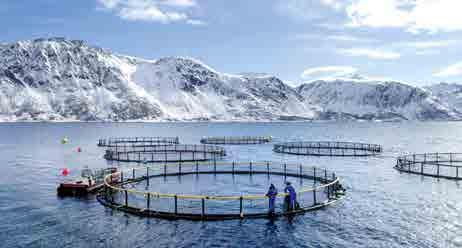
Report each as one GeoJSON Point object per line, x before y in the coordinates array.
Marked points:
{"type": "Point", "coordinates": [61, 79]}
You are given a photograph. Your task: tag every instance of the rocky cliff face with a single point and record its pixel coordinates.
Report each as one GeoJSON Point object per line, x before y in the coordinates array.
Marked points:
{"type": "Point", "coordinates": [376, 100]}
{"type": "Point", "coordinates": [59, 79]}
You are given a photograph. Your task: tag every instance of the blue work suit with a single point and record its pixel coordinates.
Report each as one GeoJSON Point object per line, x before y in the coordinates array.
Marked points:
{"type": "Point", "coordinates": [292, 196]}
{"type": "Point", "coordinates": [272, 193]}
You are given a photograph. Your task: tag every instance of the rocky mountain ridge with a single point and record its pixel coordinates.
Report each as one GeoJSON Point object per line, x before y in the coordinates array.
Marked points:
{"type": "Point", "coordinates": [58, 79]}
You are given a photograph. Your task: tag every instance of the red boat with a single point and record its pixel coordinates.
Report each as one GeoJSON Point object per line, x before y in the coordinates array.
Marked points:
{"type": "Point", "coordinates": [88, 182]}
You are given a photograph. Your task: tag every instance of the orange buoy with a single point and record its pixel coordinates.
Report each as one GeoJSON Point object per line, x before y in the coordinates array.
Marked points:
{"type": "Point", "coordinates": [65, 172]}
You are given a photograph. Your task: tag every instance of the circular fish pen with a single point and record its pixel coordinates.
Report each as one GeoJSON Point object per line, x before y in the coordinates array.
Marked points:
{"type": "Point", "coordinates": [138, 141]}
{"type": "Point", "coordinates": [236, 140]}
{"type": "Point", "coordinates": [328, 148]}
{"type": "Point", "coordinates": [164, 153]}
{"type": "Point", "coordinates": [441, 165]}
{"type": "Point", "coordinates": [122, 191]}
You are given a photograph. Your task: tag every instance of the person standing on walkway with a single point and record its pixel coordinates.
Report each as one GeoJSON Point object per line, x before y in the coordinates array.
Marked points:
{"type": "Point", "coordinates": [292, 197]}
{"type": "Point", "coordinates": [272, 193]}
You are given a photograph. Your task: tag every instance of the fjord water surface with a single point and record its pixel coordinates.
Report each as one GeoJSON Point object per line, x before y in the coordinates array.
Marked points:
{"type": "Point", "coordinates": [383, 208]}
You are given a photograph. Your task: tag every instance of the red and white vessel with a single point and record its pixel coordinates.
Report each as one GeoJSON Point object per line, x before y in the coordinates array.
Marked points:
{"type": "Point", "coordinates": [89, 181]}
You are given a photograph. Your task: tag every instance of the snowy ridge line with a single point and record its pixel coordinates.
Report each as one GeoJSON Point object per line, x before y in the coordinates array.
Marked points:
{"type": "Point", "coordinates": [63, 80]}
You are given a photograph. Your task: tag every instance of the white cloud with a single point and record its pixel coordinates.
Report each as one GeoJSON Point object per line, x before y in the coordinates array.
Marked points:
{"type": "Point", "coordinates": [413, 15]}
{"type": "Point", "coordinates": [196, 22]}
{"type": "Point", "coordinates": [163, 11]}
{"type": "Point", "coordinates": [370, 53]}
{"type": "Point", "coordinates": [332, 73]}
{"type": "Point", "coordinates": [178, 3]}
{"type": "Point", "coordinates": [349, 38]}
{"type": "Point", "coordinates": [334, 37]}
{"type": "Point", "coordinates": [450, 71]}
{"type": "Point", "coordinates": [307, 9]}
{"type": "Point", "coordinates": [336, 4]}
{"type": "Point", "coordinates": [430, 44]}
{"type": "Point", "coordinates": [327, 71]}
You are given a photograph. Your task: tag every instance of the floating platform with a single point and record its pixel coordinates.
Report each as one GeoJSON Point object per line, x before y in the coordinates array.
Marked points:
{"type": "Point", "coordinates": [138, 141]}
{"type": "Point", "coordinates": [328, 148]}
{"type": "Point", "coordinates": [325, 191]}
{"type": "Point", "coordinates": [441, 165]}
{"type": "Point", "coordinates": [88, 182]}
{"type": "Point", "coordinates": [165, 153]}
{"type": "Point", "coordinates": [236, 140]}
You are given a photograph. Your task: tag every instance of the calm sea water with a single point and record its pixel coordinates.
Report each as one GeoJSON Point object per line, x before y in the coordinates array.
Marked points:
{"type": "Point", "coordinates": [383, 208]}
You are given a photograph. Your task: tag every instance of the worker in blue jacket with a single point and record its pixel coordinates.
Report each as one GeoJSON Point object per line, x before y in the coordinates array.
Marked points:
{"type": "Point", "coordinates": [292, 197]}
{"type": "Point", "coordinates": [272, 193]}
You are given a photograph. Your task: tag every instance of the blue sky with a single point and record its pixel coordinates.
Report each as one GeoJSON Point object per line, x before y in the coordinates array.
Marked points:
{"type": "Point", "coordinates": [415, 41]}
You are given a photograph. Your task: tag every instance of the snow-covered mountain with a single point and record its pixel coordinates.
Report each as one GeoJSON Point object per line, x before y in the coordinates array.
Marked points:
{"type": "Point", "coordinates": [372, 100]}
{"type": "Point", "coordinates": [59, 79]}
{"type": "Point", "coordinates": [450, 94]}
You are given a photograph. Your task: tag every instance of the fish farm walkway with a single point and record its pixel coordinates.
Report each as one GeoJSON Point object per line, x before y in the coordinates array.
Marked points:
{"type": "Point", "coordinates": [119, 195]}
{"type": "Point", "coordinates": [328, 148]}
{"type": "Point", "coordinates": [138, 141]}
{"type": "Point", "coordinates": [236, 140]}
{"type": "Point", "coordinates": [164, 153]}
{"type": "Point", "coordinates": [441, 165]}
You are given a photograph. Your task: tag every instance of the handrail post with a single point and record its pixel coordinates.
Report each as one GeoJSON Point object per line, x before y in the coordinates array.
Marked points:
{"type": "Point", "coordinates": [133, 173]}
{"type": "Point", "coordinates": [232, 168]}
{"type": "Point", "coordinates": [267, 168]}
{"type": "Point", "coordinates": [126, 198]}
{"type": "Point", "coordinates": [241, 213]}
{"type": "Point", "coordinates": [176, 204]}
{"type": "Point", "coordinates": [147, 176]}
{"type": "Point", "coordinates": [250, 168]}
{"type": "Point", "coordinates": [148, 201]}
{"type": "Point", "coordinates": [314, 175]}
{"type": "Point", "coordinates": [328, 192]}
{"type": "Point", "coordinates": [314, 196]}
{"type": "Point", "coordinates": [203, 207]}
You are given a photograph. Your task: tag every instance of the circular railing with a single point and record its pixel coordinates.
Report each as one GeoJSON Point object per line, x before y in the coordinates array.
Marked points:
{"type": "Point", "coordinates": [328, 148]}
{"type": "Point", "coordinates": [325, 190]}
{"type": "Point", "coordinates": [164, 153]}
{"type": "Point", "coordinates": [138, 141]}
{"type": "Point", "coordinates": [443, 165]}
{"type": "Point", "coordinates": [236, 140]}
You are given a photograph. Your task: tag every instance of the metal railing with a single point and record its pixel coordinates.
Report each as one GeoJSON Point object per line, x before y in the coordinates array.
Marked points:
{"type": "Point", "coordinates": [443, 165]}
{"type": "Point", "coordinates": [236, 140]}
{"type": "Point", "coordinates": [328, 148]}
{"type": "Point", "coordinates": [164, 153]}
{"type": "Point", "coordinates": [137, 141]}
{"type": "Point", "coordinates": [323, 191]}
